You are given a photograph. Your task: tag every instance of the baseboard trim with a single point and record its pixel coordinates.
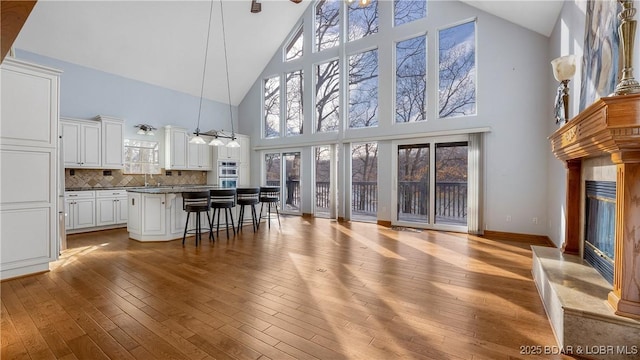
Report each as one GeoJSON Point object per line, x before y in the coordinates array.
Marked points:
{"type": "Point", "coordinates": [385, 223]}
{"type": "Point", "coordinates": [528, 238]}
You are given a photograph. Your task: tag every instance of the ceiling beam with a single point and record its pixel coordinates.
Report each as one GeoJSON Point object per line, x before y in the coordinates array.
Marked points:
{"type": "Point", "coordinates": [13, 16]}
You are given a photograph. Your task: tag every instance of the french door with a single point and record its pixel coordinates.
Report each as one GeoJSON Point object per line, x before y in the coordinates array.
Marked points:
{"type": "Point", "coordinates": [430, 183]}
{"type": "Point", "coordinates": [325, 168]}
{"type": "Point", "coordinates": [282, 169]}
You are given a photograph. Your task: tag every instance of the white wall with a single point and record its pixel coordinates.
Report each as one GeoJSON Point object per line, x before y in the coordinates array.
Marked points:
{"type": "Point", "coordinates": [86, 92]}
{"type": "Point", "coordinates": [568, 38]}
{"type": "Point", "coordinates": [513, 99]}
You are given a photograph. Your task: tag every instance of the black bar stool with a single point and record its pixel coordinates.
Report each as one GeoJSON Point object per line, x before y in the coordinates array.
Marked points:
{"type": "Point", "coordinates": [248, 196]}
{"type": "Point", "coordinates": [223, 199]}
{"type": "Point", "coordinates": [196, 202]}
{"type": "Point", "coordinates": [269, 195]}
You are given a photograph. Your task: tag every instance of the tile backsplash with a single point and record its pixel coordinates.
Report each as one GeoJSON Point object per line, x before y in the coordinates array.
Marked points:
{"type": "Point", "coordinates": [96, 178]}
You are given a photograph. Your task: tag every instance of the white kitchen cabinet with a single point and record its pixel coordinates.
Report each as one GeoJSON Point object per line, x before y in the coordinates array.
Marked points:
{"type": "Point", "coordinates": [176, 140]}
{"type": "Point", "coordinates": [134, 212]}
{"type": "Point", "coordinates": [153, 214]}
{"type": "Point", "coordinates": [199, 157]}
{"type": "Point", "coordinates": [29, 207]}
{"type": "Point", "coordinates": [240, 154]}
{"type": "Point", "coordinates": [80, 207]}
{"type": "Point", "coordinates": [112, 136]}
{"type": "Point", "coordinates": [111, 207]}
{"type": "Point", "coordinates": [81, 142]}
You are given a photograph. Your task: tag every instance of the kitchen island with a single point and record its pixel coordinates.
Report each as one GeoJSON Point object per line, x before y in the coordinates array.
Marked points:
{"type": "Point", "coordinates": [155, 213]}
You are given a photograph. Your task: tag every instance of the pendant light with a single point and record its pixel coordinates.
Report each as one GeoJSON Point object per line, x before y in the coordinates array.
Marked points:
{"type": "Point", "coordinates": [216, 141]}
{"type": "Point", "coordinates": [198, 139]}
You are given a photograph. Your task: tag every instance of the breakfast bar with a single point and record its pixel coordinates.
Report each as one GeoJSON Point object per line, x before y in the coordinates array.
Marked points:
{"type": "Point", "coordinates": [156, 214]}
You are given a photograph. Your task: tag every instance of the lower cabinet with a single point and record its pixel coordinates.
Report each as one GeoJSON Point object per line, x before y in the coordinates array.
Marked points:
{"type": "Point", "coordinates": [134, 209]}
{"type": "Point", "coordinates": [111, 207]}
{"type": "Point", "coordinates": [153, 214]}
{"type": "Point", "coordinates": [80, 207]}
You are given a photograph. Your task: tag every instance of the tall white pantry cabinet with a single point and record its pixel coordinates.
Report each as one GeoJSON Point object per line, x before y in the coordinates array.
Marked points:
{"type": "Point", "coordinates": [29, 168]}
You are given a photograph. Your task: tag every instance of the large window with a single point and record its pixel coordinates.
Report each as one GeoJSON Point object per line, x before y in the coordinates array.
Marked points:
{"type": "Point", "coordinates": [272, 107]}
{"type": "Point", "coordinates": [141, 157]}
{"type": "Point", "coordinates": [293, 98]}
{"type": "Point", "coordinates": [362, 20]}
{"type": "Point", "coordinates": [327, 21]}
{"type": "Point", "coordinates": [363, 89]}
{"type": "Point", "coordinates": [457, 70]}
{"type": "Point", "coordinates": [327, 96]}
{"type": "Point", "coordinates": [411, 80]}
{"type": "Point", "coordinates": [405, 11]}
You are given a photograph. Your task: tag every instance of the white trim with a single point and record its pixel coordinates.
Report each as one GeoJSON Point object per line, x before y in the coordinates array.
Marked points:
{"type": "Point", "coordinates": [376, 138]}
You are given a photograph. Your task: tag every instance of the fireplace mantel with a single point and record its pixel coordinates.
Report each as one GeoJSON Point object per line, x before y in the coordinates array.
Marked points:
{"type": "Point", "coordinates": [610, 126]}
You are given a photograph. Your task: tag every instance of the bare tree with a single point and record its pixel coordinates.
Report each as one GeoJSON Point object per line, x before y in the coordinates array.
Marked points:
{"type": "Point", "coordinates": [294, 103]}
{"type": "Point", "coordinates": [457, 92]}
{"type": "Point", "coordinates": [272, 107]}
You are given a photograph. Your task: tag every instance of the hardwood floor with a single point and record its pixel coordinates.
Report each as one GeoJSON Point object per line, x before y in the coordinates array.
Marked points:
{"type": "Point", "coordinates": [315, 289]}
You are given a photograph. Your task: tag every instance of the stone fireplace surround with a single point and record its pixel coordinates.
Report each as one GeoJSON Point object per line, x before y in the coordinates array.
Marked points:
{"type": "Point", "coordinates": [583, 308]}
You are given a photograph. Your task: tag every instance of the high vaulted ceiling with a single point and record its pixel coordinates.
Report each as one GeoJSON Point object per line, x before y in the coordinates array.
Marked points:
{"type": "Point", "coordinates": [163, 42]}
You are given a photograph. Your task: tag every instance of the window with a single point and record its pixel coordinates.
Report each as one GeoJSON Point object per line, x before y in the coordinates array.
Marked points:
{"type": "Point", "coordinates": [327, 24]}
{"type": "Point", "coordinates": [363, 89]}
{"type": "Point", "coordinates": [405, 11]}
{"type": "Point", "coordinates": [362, 20]}
{"type": "Point", "coordinates": [141, 157]}
{"type": "Point", "coordinates": [327, 96]}
{"type": "Point", "coordinates": [457, 70]}
{"type": "Point", "coordinates": [293, 50]}
{"type": "Point", "coordinates": [293, 98]}
{"type": "Point", "coordinates": [411, 80]}
{"type": "Point", "coordinates": [272, 107]}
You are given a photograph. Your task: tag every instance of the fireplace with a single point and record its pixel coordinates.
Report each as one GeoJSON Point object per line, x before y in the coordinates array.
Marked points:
{"type": "Point", "coordinates": [599, 229]}
{"type": "Point", "coordinates": [608, 127]}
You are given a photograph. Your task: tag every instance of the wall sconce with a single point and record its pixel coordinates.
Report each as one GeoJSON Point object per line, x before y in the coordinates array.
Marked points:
{"type": "Point", "coordinates": [145, 129]}
{"type": "Point", "coordinates": [564, 68]}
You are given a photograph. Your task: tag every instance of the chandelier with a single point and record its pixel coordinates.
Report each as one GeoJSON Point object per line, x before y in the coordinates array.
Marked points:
{"type": "Point", "coordinates": [217, 134]}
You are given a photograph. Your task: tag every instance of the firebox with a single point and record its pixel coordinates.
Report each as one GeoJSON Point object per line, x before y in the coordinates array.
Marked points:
{"type": "Point", "coordinates": [599, 233]}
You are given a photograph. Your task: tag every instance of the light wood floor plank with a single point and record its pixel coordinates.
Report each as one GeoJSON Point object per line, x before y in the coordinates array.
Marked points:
{"type": "Point", "coordinates": [315, 289]}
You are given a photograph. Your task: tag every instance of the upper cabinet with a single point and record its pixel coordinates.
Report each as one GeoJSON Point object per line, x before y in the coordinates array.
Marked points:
{"type": "Point", "coordinates": [199, 157]}
{"type": "Point", "coordinates": [175, 147]}
{"type": "Point", "coordinates": [240, 154]}
{"type": "Point", "coordinates": [80, 143]}
{"type": "Point", "coordinates": [181, 155]}
{"type": "Point", "coordinates": [96, 144]}
{"type": "Point", "coordinates": [112, 142]}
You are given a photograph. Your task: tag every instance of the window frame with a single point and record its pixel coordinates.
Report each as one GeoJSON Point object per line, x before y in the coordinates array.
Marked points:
{"type": "Point", "coordinates": [394, 61]}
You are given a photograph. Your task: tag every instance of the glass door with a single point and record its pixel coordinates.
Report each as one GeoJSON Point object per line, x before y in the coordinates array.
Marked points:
{"type": "Point", "coordinates": [430, 185]}
{"type": "Point", "coordinates": [322, 170]}
{"type": "Point", "coordinates": [451, 183]}
{"type": "Point", "coordinates": [413, 183]}
{"type": "Point", "coordinates": [291, 190]}
{"type": "Point", "coordinates": [364, 182]}
{"type": "Point", "coordinates": [282, 169]}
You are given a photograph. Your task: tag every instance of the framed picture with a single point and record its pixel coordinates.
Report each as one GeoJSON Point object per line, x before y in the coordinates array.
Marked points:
{"type": "Point", "coordinates": [600, 59]}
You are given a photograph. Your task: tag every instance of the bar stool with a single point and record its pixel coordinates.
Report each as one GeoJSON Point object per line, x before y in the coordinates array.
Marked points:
{"type": "Point", "coordinates": [196, 202]}
{"type": "Point", "coordinates": [248, 196]}
{"type": "Point", "coordinates": [223, 199]}
{"type": "Point", "coordinates": [269, 195]}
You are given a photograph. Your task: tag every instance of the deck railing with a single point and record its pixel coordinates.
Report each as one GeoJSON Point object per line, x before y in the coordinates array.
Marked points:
{"type": "Point", "coordinates": [413, 197]}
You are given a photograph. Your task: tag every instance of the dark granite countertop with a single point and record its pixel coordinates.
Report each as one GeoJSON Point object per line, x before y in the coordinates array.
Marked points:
{"type": "Point", "coordinates": [153, 188]}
